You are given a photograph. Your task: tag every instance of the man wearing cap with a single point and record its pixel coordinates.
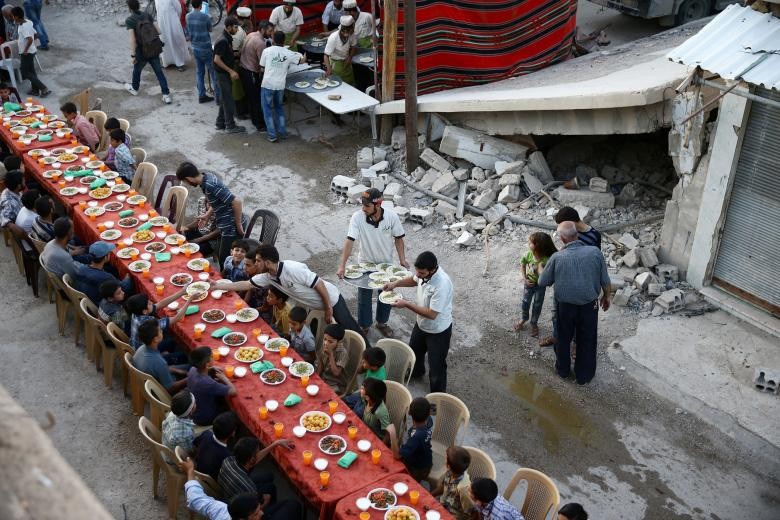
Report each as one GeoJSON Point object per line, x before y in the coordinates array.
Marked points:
{"type": "Point", "coordinates": [378, 231]}
{"type": "Point", "coordinates": [245, 20]}
{"type": "Point", "coordinates": [331, 16]}
{"type": "Point", "coordinates": [225, 64]}
{"type": "Point", "coordinates": [365, 25]}
{"type": "Point", "coordinates": [288, 19]}
{"type": "Point", "coordinates": [275, 62]}
{"type": "Point", "coordinates": [89, 278]}
{"type": "Point", "coordinates": [340, 49]}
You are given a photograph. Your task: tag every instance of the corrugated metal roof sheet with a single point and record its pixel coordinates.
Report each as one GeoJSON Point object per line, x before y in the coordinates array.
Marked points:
{"type": "Point", "coordinates": [739, 42]}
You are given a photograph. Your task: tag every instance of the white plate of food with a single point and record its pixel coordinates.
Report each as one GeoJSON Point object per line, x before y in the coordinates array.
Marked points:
{"type": "Point", "coordinates": [110, 234]}
{"type": "Point", "coordinates": [94, 165]}
{"type": "Point", "coordinates": [120, 188]}
{"type": "Point", "coordinates": [353, 274]}
{"type": "Point", "coordinates": [136, 199]}
{"type": "Point", "coordinates": [79, 149]}
{"type": "Point", "coordinates": [368, 266]}
{"type": "Point", "coordinates": [213, 316]}
{"type": "Point", "coordinates": [96, 211]}
{"type": "Point", "coordinates": [181, 279]}
{"type": "Point", "coordinates": [197, 264]}
{"type": "Point", "coordinates": [102, 192]}
{"type": "Point", "coordinates": [159, 221]}
{"type": "Point", "coordinates": [127, 252]}
{"type": "Point", "coordinates": [246, 354]}
{"type": "Point", "coordinates": [128, 222]}
{"type": "Point", "coordinates": [332, 445]}
{"type": "Point", "coordinates": [66, 158]}
{"type": "Point", "coordinates": [401, 513]}
{"type": "Point", "coordinates": [365, 59]}
{"type": "Point", "coordinates": [373, 284]}
{"type": "Point", "coordinates": [303, 84]}
{"type": "Point", "coordinates": [69, 191]}
{"type": "Point", "coordinates": [274, 344]}
{"type": "Point", "coordinates": [334, 83]}
{"type": "Point", "coordinates": [198, 287]}
{"type": "Point", "coordinates": [301, 368]}
{"type": "Point", "coordinates": [173, 239]}
{"type": "Point", "coordinates": [139, 265]}
{"type": "Point", "coordinates": [113, 206]}
{"type": "Point", "coordinates": [155, 247]}
{"type": "Point", "coordinates": [381, 499]}
{"type": "Point", "coordinates": [87, 179]}
{"type": "Point", "coordinates": [389, 297]}
{"type": "Point", "coordinates": [247, 314]}
{"type": "Point", "coordinates": [319, 86]}
{"type": "Point", "coordinates": [378, 276]}
{"type": "Point", "coordinates": [315, 421]}
{"type": "Point", "coordinates": [109, 174]}
{"type": "Point", "coordinates": [273, 376]}
{"type": "Point", "coordinates": [189, 246]}
{"type": "Point", "coordinates": [143, 236]}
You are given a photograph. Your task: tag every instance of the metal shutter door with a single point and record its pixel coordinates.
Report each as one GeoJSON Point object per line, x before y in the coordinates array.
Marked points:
{"type": "Point", "coordinates": [749, 251]}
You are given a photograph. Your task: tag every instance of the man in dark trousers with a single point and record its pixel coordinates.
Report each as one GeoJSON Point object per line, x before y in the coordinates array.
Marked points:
{"type": "Point", "coordinates": [579, 273]}
{"type": "Point", "coordinates": [227, 72]}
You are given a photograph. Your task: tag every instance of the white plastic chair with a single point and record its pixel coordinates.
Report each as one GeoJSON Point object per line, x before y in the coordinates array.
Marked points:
{"type": "Point", "coordinates": [175, 197]}
{"type": "Point", "coordinates": [399, 360]}
{"type": "Point", "coordinates": [451, 420]}
{"type": "Point", "coordinates": [143, 180]}
{"type": "Point", "coordinates": [541, 497]}
{"type": "Point", "coordinates": [12, 64]}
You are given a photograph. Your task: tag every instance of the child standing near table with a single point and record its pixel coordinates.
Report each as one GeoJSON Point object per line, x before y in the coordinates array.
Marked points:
{"type": "Point", "coordinates": [301, 337]}
{"type": "Point", "coordinates": [234, 268]}
{"type": "Point", "coordinates": [333, 358]}
{"type": "Point", "coordinates": [540, 249]}
{"type": "Point", "coordinates": [416, 452]}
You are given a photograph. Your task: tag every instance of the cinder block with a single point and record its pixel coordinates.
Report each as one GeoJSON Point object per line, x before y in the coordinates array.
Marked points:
{"type": "Point", "coordinates": [598, 184]}
{"type": "Point", "coordinates": [671, 300]}
{"type": "Point", "coordinates": [393, 189]}
{"type": "Point", "coordinates": [622, 296]}
{"type": "Point", "coordinates": [435, 160]}
{"type": "Point", "coordinates": [380, 166]}
{"type": "Point", "coordinates": [648, 257]}
{"type": "Point", "coordinates": [616, 282]}
{"type": "Point", "coordinates": [767, 380]}
{"type": "Point", "coordinates": [667, 272]}
{"type": "Point", "coordinates": [422, 216]}
{"type": "Point", "coordinates": [353, 193]}
{"type": "Point", "coordinates": [445, 185]}
{"type": "Point", "coordinates": [629, 240]}
{"type": "Point", "coordinates": [485, 199]}
{"type": "Point", "coordinates": [631, 259]}
{"type": "Point", "coordinates": [509, 194]}
{"type": "Point", "coordinates": [365, 158]}
{"type": "Point", "coordinates": [588, 198]}
{"type": "Point", "coordinates": [642, 280]}
{"type": "Point", "coordinates": [341, 183]}
{"type": "Point", "coordinates": [654, 289]}
{"type": "Point", "coordinates": [402, 212]}
{"type": "Point", "coordinates": [398, 139]}
{"type": "Point", "coordinates": [510, 179]}
{"type": "Point", "coordinates": [461, 174]}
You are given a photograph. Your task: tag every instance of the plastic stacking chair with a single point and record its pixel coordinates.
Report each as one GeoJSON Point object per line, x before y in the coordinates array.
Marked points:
{"type": "Point", "coordinates": [124, 124]}
{"type": "Point", "coordinates": [137, 381]}
{"type": "Point", "coordinates": [38, 245]}
{"type": "Point", "coordinates": [16, 247]}
{"type": "Point", "coordinates": [315, 319]}
{"type": "Point", "coordinates": [11, 64]}
{"type": "Point", "coordinates": [139, 155]}
{"type": "Point", "coordinates": [159, 401]}
{"type": "Point", "coordinates": [61, 298]}
{"type": "Point", "coordinates": [173, 205]}
{"type": "Point", "coordinates": [121, 345]}
{"type": "Point", "coordinates": [269, 229]}
{"type": "Point", "coordinates": [451, 420]}
{"type": "Point", "coordinates": [541, 495]}
{"type": "Point", "coordinates": [143, 180]}
{"type": "Point", "coordinates": [481, 465]}
{"type": "Point", "coordinates": [98, 118]}
{"type": "Point", "coordinates": [94, 332]}
{"type": "Point", "coordinates": [167, 181]}
{"type": "Point", "coordinates": [399, 361]}
{"type": "Point", "coordinates": [355, 346]}
{"type": "Point", "coordinates": [210, 486]}
{"type": "Point", "coordinates": [161, 454]}
{"type": "Point", "coordinates": [398, 400]}
{"type": "Point", "coordinates": [75, 297]}
{"type": "Point", "coordinates": [30, 264]}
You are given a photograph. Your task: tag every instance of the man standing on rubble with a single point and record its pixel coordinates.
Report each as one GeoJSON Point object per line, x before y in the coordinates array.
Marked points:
{"type": "Point", "coordinates": [579, 273]}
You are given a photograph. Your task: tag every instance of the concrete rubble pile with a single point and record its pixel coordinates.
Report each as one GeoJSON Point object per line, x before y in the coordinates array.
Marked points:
{"type": "Point", "coordinates": [489, 182]}
{"type": "Point", "coordinates": [99, 8]}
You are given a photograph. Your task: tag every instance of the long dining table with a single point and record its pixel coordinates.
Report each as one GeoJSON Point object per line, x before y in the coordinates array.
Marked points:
{"type": "Point", "coordinates": [252, 392]}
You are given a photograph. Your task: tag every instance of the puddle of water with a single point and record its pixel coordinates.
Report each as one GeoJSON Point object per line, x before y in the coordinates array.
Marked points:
{"type": "Point", "coordinates": [554, 415]}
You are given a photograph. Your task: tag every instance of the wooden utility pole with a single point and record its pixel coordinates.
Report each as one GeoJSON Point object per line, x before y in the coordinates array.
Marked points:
{"type": "Point", "coordinates": [410, 66]}
{"type": "Point", "coordinates": [389, 44]}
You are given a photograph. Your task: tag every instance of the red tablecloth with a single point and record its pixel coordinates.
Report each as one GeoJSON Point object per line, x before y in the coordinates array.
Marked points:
{"type": "Point", "coordinates": [8, 136]}
{"type": "Point", "coordinates": [35, 170]}
{"type": "Point", "coordinates": [346, 508]}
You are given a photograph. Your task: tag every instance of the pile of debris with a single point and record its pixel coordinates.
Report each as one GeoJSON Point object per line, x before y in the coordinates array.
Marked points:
{"type": "Point", "coordinates": [482, 185]}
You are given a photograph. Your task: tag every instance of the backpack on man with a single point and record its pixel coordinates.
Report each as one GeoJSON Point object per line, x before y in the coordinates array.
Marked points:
{"type": "Point", "coordinates": [148, 38]}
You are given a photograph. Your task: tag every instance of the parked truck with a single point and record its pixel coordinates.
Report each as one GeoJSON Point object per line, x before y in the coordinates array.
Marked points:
{"type": "Point", "coordinates": [667, 12]}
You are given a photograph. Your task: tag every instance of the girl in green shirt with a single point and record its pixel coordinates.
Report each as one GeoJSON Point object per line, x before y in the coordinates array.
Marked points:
{"type": "Point", "coordinates": [540, 249]}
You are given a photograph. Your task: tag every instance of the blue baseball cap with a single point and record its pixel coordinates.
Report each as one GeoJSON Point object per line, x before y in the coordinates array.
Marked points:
{"type": "Point", "coordinates": [100, 249]}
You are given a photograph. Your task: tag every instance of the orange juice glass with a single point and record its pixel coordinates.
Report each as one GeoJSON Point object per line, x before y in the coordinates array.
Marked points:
{"type": "Point", "coordinates": [152, 213]}
{"type": "Point", "coordinates": [229, 370]}
{"type": "Point", "coordinates": [29, 100]}
{"type": "Point", "coordinates": [256, 332]}
{"type": "Point", "coordinates": [238, 304]}
{"type": "Point", "coordinates": [101, 227]}
{"type": "Point", "coordinates": [414, 497]}
{"type": "Point", "coordinates": [375, 455]}
{"type": "Point", "coordinates": [197, 333]}
{"type": "Point", "coordinates": [167, 228]}
{"type": "Point", "coordinates": [215, 355]}
{"type": "Point", "coordinates": [118, 180]}
{"type": "Point", "coordinates": [145, 273]}
{"type": "Point", "coordinates": [307, 456]}
{"type": "Point", "coordinates": [159, 289]}
{"type": "Point", "coordinates": [61, 184]}
{"type": "Point", "coordinates": [333, 406]}
{"type": "Point", "coordinates": [93, 217]}
{"type": "Point", "coordinates": [263, 413]}
{"type": "Point", "coordinates": [352, 431]}
{"type": "Point", "coordinates": [324, 478]}
{"type": "Point", "coordinates": [304, 380]}
{"type": "Point", "coordinates": [133, 255]}
{"type": "Point", "coordinates": [40, 161]}
{"type": "Point", "coordinates": [180, 241]}
{"type": "Point", "coordinates": [142, 204]}
{"type": "Point", "coordinates": [83, 205]}
{"type": "Point", "coordinates": [278, 430]}
{"type": "Point", "coordinates": [103, 168]}
{"type": "Point", "coordinates": [283, 350]}
{"type": "Point", "coordinates": [187, 253]}
{"type": "Point", "coordinates": [74, 142]}
{"type": "Point", "coordinates": [131, 192]}
{"type": "Point", "coordinates": [365, 515]}
{"type": "Point", "coordinates": [206, 267]}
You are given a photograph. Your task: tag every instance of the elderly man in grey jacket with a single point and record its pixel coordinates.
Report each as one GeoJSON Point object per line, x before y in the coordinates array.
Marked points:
{"type": "Point", "coordinates": [579, 274]}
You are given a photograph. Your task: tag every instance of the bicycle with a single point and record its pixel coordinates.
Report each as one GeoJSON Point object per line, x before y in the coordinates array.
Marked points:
{"type": "Point", "coordinates": [216, 10]}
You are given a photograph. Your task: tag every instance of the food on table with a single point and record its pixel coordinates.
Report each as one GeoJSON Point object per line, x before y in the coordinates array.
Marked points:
{"type": "Point", "coordinates": [48, 118]}
{"type": "Point", "coordinates": [190, 247]}
{"type": "Point", "coordinates": [197, 264]}
{"type": "Point", "coordinates": [74, 168]}
{"type": "Point", "coordinates": [79, 149]}
{"type": "Point", "coordinates": [213, 316]}
{"type": "Point", "coordinates": [49, 160]}
{"type": "Point", "coordinates": [136, 199]}
{"type": "Point", "coordinates": [97, 211]}
{"type": "Point", "coordinates": [320, 86]}
{"type": "Point", "coordinates": [155, 247]}
{"type": "Point", "coordinates": [27, 121]}
{"type": "Point", "coordinates": [315, 421]}
{"type": "Point", "coordinates": [156, 221]}
{"type": "Point", "coordinates": [67, 157]}
{"type": "Point", "coordinates": [198, 287]}
{"type": "Point", "coordinates": [402, 513]}
{"type": "Point", "coordinates": [333, 445]}
{"type": "Point", "coordinates": [196, 297]}
{"type": "Point", "coordinates": [59, 124]}
{"type": "Point", "coordinates": [120, 188]}
{"type": "Point", "coordinates": [127, 252]}
{"type": "Point", "coordinates": [109, 174]}
{"type": "Point", "coordinates": [273, 376]}
{"type": "Point", "coordinates": [173, 239]}
{"type": "Point", "coordinates": [384, 266]}
{"type": "Point", "coordinates": [69, 191]}
{"type": "Point", "coordinates": [59, 151]}
{"type": "Point", "coordinates": [113, 206]}
{"type": "Point", "coordinates": [389, 297]}
{"type": "Point", "coordinates": [142, 236]}
{"type": "Point", "coordinates": [302, 84]}
{"type": "Point", "coordinates": [334, 83]}
{"type": "Point", "coordinates": [94, 165]}
{"type": "Point", "coordinates": [100, 193]}
{"type": "Point", "coordinates": [87, 179]}
{"type": "Point", "coordinates": [373, 284]}
{"type": "Point", "coordinates": [44, 132]}
{"type": "Point", "coordinates": [128, 222]}
{"type": "Point", "coordinates": [37, 152]}
{"type": "Point", "coordinates": [110, 234]}
{"type": "Point", "coordinates": [247, 314]}
{"type": "Point", "coordinates": [274, 344]}
{"type": "Point", "coordinates": [301, 368]}
{"type": "Point", "coordinates": [245, 354]}
{"type": "Point", "coordinates": [181, 279]}
{"type": "Point", "coordinates": [139, 265]}
{"type": "Point", "coordinates": [22, 113]}
{"type": "Point", "coordinates": [49, 173]}
{"type": "Point", "coordinates": [394, 278]}
{"type": "Point", "coordinates": [381, 498]}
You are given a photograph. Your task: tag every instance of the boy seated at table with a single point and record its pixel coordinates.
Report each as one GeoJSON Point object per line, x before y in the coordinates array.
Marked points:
{"type": "Point", "coordinates": [416, 453]}
{"type": "Point", "coordinates": [211, 446]}
{"type": "Point", "coordinates": [333, 357]}
{"type": "Point", "coordinates": [373, 366]}
{"type": "Point", "coordinates": [178, 429]}
{"type": "Point", "coordinates": [454, 489]}
{"type": "Point", "coordinates": [83, 129]}
{"type": "Point", "coordinates": [141, 309]}
{"type": "Point", "coordinates": [301, 337]}
{"type": "Point", "coordinates": [9, 94]}
{"type": "Point", "coordinates": [209, 385]}
{"type": "Point", "coordinates": [376, 415]}
{"type": "Point", "coordinates": [112, 123]}
{"type": "Point", "coordinates": [234, 268]}
{"type": "Point", "coordinates": [240, 472]}
{"type": "Point", "coordinates": [147, 358]}
{"type": "Point", "coordinates": [124, 162]}
{"type": "Point", "coordinates": [255, 297]}
{"type": "Point", "coordinates": [276, 303]}
{"type": "Point", "coordinates": [111, 308]}
{"type": "Point", "coordinates": [489, 504]}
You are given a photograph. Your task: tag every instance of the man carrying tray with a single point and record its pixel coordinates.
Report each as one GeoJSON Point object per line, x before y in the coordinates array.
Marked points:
{"type": "Point", "coordinates": [379, 232]}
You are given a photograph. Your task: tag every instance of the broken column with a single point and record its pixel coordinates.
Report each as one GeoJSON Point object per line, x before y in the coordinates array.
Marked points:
{"type": "Point", "coordinates": [478, 148]}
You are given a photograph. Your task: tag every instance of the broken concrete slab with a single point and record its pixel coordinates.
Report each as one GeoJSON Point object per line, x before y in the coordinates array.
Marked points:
{"type": "Point", "coordinates": [622, 296]}
{"type": "Point", "coordinates": [354, 192]}
{"type": "Point", "coordinates": [642, 280]}
{"type": "Point", "coordinates": [398, 139]}
{"type": "Point", "coordinates": [531, 182]}
{"type": "Point", "coordinates": [671, 300]}
{"type": "Point", "coordinates": [616, 282]}
{"type": "Point", "coordinates": [434, 160]}
{"type": "Point", "coordinates": [655, 289]}
{"type": "Point", "coordinates": [629, 240]}
{"type": "Point", "coordinates": [418, 173]}
{"type": "Point", "coordinates": [583, 212]}
{"type": "Point", "coordinates": [378, 183]}
{"type": "Point", "coordinates": [461, 174]}
{"type": "Point", "coordinates": [496, 213]}
{"type": "Point", "coordinates": [648, 257]}
{"type": "Point", "coordinates": [592, 199]}
{"type": "Point", "coordinates": [478, 148]}
{"type": "Point", "coordinates": [667, 272]}
{"type": "Point", "coordinates": [366, 174]}
{"type": "Point", "coordinates": [402, 212]}
{"type": "Point", "coordinates": [478, 223]}
{"type": "Point", "coordinates": [380, 166]}
{"type": "Point", "coordinates": [466, 239]}
{"type": "Point", "coordinates": [510, 193]}
{"type": "Point", "coordinates": [510, 179]}
{"type": "Point", "coordinates": [539, 168]}
{"type": "Point", "coordinates": [365, 158]}
{"type": "Point", "coordinates": [429, 178]}
{"type": "Point", "coordinates": [485, 199]}
{"type": "Point", "coordinates": [478, 174]}
{"type": "Point", "coordinates": [445, 185]}
{"type": "Point", "coordinates": [445, 209]}
{"type": "Point", "coordinates": [627, 274]}
{"type": "Point", "coordinates": [393, 189]}
{"type": "Point", "coordinates": [504, 167]}
{"type": "Point", "coordinates": [631, 259]}
{"type": "Point", "coordinates": [599, 184]}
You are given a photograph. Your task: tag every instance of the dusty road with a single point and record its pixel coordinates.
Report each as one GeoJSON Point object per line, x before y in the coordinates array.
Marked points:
{"type": "Point", "coordinates": [612, 445]}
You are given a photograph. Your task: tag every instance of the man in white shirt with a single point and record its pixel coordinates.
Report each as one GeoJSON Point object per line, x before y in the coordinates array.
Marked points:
{"type": "Point", "coordinates": [365, 25]}
{"type": "Point", "coordinates": [27, 215]}
{"type": "Point", "coordinates": [339, 50]}
{"type": "Point", "coordinates": [379, 232]}
{"type": "Point", "coordinates": [433, 331]}
{"type": "Point", "coordinates": [27, 49]}
{"type": "Point", "coordinates": [275, 63]}
{"type": "Point", "coordinates": [288, 19]}
{"type": "Point", "coordinates": [300, 283]}
{"type": "Point", "coordinates": [332, 14]}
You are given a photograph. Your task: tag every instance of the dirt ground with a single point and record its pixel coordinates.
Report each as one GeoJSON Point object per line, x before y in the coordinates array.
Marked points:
{"type": "Point", "coordinates": [613, 445]}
